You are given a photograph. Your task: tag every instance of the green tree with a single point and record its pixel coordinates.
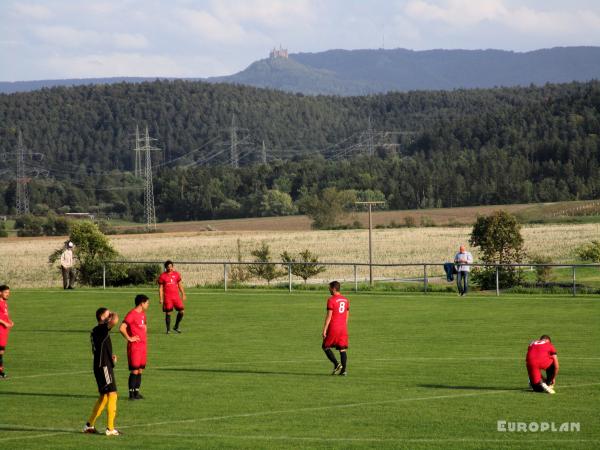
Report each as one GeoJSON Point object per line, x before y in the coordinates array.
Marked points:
{"type": "Point", "coordinates": [268, 272]}
{"type": "Point", "coordinates": [327, 209]}
{"type": "Point", "coordinates": [239, 273]}
{"type": "Point", "coordinates": [277, 203]}
{"type": "Point", "coordinates": [29, 225]}
{"type": "Point", "coordinates": [307, 265]}
{"type": "Point", "coordinates": [589, 252]}
{"type": "Point", "coordinates": [498, 236]}
{"type": "Point", "coordinates": [3, 232]}
{"type": "Point", "coordinates": [92, 249]}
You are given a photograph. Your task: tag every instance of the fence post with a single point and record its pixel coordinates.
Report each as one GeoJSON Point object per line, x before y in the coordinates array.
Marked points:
{"type": "Point", "coordinates": [425, 278]}
{"type": "Point", "coordinates": [103, 275]}
{"type": "Point", "coordinates": [497, 282]}
{"type": "Point", "coordinates": [290, 277]}
{"type": "Point", "coordinates": [355, 280]}
{"type": "Point", "coordinates": [574, 285]}
{"type": "Point", "coordinates": [225, 276]}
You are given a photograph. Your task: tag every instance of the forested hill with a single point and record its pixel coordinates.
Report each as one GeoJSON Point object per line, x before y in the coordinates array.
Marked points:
{"type": "Point", "coordinates": [429, 149]}
{"type": "Point", "coordinates": [369, 71]}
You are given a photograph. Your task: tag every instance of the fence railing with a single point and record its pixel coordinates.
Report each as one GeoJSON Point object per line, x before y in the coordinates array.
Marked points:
{"type": "Point", "coordinates": [425, 280]}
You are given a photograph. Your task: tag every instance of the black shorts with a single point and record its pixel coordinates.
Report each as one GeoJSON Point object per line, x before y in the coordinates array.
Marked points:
{"type": "Point", "coordinates": [2, 348]}
{"type": "Point", "coordinates": [105, 379]}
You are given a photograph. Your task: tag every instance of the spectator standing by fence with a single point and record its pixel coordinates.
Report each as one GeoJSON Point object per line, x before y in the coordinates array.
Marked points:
{"type": "Point", "coordinates": [66, 266]}
{"type": "Point", "coordinates": [463, 261]}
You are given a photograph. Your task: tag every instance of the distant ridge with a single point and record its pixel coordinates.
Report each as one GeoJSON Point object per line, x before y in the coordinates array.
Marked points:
{"type": "Point", "coordinates": [361, 72]}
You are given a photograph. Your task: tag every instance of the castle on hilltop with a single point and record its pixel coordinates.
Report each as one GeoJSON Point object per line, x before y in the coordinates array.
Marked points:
{"type": "Point", "coordinates": [278, 53]}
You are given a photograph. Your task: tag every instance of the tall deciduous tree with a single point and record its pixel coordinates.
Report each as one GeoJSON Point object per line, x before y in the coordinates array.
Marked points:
{"type": "Point", "coordinates": [498, 236]}
{"type": "Point", "coordinates": [327, 208]}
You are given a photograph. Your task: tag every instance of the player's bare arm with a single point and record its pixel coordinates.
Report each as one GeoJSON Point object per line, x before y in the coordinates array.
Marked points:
{"type": "Point", "coordinates": [555, 358]}
{"type": "Point", "coordinates": [113, 319]}
{"type": "Point", "coordinates": [8, 324]}
{"type": "Point", "coordinates": [123, 330]}
{"type": "Point", "coordinates": [180, 286]}
{"type": "Point", "coordinates": [327, 320]}
{"type": "Point", "coordinates": [160, 293]}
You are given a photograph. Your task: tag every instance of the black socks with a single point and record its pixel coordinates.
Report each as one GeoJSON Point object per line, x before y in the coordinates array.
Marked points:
{"type": "Point", "coordinates": [135, 381]}
{"type": "Point", "coordinates": [178, 319]}
{"type": "Point", "coordinates": [331, 356]}
{"type": "Point", "coordinates": [344, 358]}
{"type": "Point", "coordinates": [168, 321]}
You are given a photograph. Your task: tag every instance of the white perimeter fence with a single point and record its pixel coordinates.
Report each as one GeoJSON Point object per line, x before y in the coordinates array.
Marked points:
{"type": "Point", "coordinates": [197, 273]}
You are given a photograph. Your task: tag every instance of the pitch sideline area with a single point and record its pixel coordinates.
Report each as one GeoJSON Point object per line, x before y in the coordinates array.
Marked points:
{"type": "Point", "coordinates": [424, 372]}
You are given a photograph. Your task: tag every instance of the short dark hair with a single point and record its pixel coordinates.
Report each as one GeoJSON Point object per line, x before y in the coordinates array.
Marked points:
{"type": "Point", "coordinates": [167, 262]}
{"type": "Point", "coordinates": [99, 312]}
{"type": "Point", "coordinates": [4, 287]}
{"type": "Point", "coordinates": [335, 285]}
{"type": "Point", "coordinates": [545, 337]}
{"type": "Point", "coordinates": [140, 298]}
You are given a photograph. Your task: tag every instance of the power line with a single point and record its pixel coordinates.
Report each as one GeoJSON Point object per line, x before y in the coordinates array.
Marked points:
{"type": "Point", "coordinates": [22, 188]}
{"type": "Point", "coordinates": [137, 154]}
{"type": "Point", "coordinates": [149, 208]}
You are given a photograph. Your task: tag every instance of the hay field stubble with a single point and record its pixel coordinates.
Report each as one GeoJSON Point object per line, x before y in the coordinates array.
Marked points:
{"type": "Point", "coordinates": [24, 260]}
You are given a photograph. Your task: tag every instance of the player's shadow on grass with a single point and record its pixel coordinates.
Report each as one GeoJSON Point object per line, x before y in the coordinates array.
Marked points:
{"type": "Point", "coordinates": [470, 388]}
{"type": "Point", "coordinates": [53, 430]}
{"type": "Point", "coordinates": [61, 331]}
{"type": "Point", "coordinates": [243, 371]}
{"type": "Point", "coordinates": [46, 394]}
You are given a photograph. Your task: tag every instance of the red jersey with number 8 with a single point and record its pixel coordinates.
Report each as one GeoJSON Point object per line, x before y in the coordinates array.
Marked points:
{"type": "Point", "coordinates": [339, 306]}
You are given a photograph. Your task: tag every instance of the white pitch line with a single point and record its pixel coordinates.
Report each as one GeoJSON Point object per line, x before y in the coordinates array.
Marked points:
{"type": "Point", "coordinates": [301, 410]}
{"type": "Point", "coordinates": [320, 439]}
{"type": "Point", "coordinates": [258, 363]}
{"type": "Point", "coordinates": [348, 405]}
{"type": "Point", "coordinates": [34, 436]}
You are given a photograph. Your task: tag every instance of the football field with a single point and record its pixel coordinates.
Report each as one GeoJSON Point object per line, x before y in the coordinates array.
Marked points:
{"type": "Point", "coordinates": [424, 371]}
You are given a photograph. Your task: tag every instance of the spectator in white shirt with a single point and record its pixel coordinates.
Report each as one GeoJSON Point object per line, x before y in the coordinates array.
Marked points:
{"type": "Point", "coordinates": [66, 266]}
{"type": "Point", "coordinates": [463, 261]}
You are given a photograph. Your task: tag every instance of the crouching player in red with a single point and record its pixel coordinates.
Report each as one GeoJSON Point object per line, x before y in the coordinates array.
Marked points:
{"type": "Point", "coordinates": [335, 330]}
{"type": "Point", "coordinates": [541, 355]}
{"type": "Point", "coordinates": [133, 329]}
{"type": "Point", "coordinates": [5, 325]}
{"type": "Point", "coordinates": [169, 287]}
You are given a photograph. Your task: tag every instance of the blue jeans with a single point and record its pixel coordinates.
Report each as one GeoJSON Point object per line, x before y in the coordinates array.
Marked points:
{"type": "Point", "coordinates": [462, 281]}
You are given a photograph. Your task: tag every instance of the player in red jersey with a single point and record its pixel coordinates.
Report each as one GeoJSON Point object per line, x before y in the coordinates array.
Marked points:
{"type": "Point", "coordinates": [5, 325]}
{"type": "Point", "coordinates": [541, 355]}
{"type": "Point", "coordinates": [335, 330]}
{"type": "Point", "coordinates": [133, 329]}
{"type": "Point", "coordinates": [169, 288]}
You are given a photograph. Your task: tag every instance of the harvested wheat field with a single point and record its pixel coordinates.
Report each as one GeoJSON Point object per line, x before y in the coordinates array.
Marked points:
{"type": "Point", "coordinates": [24, 260]}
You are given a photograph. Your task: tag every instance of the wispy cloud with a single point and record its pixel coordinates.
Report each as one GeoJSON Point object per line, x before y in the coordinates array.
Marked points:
{"type": "Point", "coordinates": [29, 10]}
{"type": "Point", "coordinates": [68, 38]}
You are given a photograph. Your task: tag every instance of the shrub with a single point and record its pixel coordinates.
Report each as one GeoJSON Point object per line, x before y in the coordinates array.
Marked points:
{"type": "Point", "coordinates": [409, 222]}
{"type": "Point", "coordinates": [307, 266]}
{"type": "Point", "coordinates": [589, 252]}
{"type": "Point", "coordinates": [92, 250]}
{"type": "Point", "coordinates": [267, 272]}
{"type": "Point", "coordinates": [543, 274]}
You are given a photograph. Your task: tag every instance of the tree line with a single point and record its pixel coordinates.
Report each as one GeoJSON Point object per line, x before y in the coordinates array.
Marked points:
{"type": "Point", "coordinates": [465, 147]}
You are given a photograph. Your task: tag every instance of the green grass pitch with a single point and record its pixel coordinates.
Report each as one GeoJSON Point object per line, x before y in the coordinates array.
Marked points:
{"type": "Point", "coordinates": [424, 371]}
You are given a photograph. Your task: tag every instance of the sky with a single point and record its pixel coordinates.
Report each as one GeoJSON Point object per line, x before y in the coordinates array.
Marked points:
{"type": "Point", "coordinates": [53, 39]}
